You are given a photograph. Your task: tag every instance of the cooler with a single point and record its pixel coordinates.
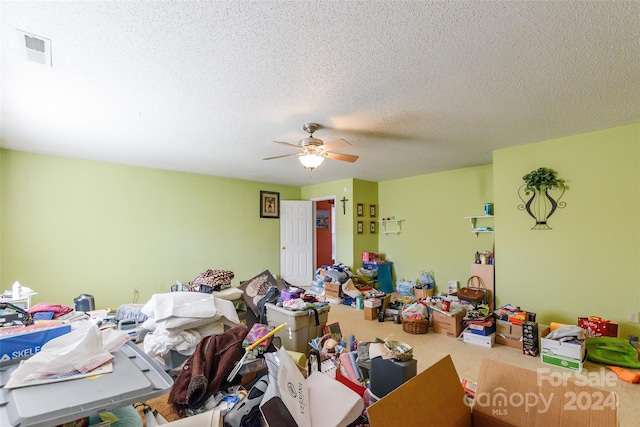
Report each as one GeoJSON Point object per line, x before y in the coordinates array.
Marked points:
{"type": "Point", "coordinates": [302, 326]}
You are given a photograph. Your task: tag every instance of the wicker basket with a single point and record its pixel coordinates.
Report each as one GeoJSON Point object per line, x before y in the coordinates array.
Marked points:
{"type": "Point", "coordinates": [398, 350]}
{"type": "Point", "coordinates": [415, 326]}
{"type": "Point", "coordinates": [422, 293]}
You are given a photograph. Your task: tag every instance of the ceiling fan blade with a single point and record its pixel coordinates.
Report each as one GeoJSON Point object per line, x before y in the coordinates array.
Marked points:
{"type": "Point", "coordinates": [277, 157]}
{"type": "Point", "coordinates": [336, 145]}
{"type": "Point", "coordinates": [343, 157]}
{"type": "Point", "coordinates": [287, 144]}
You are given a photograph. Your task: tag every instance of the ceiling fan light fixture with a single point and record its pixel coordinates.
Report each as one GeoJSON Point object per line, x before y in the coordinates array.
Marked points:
{"type": "Point", "coordinates": [311, 160]}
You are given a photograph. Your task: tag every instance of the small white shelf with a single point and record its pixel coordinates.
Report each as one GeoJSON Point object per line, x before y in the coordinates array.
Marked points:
{"type": "Point", "coordinates": [397, 225]}
{"type": "Point", "coordinates": [475, 228]}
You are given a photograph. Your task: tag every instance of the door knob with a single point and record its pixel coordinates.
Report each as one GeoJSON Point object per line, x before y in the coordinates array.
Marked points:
{"type": "Point", "coordinates": [283, 248]}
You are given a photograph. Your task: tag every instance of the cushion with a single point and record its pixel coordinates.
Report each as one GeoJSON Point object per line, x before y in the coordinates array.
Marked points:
{"type": "Point", "coordinates": [256, 288]}
{"type": "Point", "coordinates": [230, 294]}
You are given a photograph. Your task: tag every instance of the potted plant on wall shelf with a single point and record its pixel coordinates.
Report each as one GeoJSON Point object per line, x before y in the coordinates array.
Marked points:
{"type": "Point", "coordinates": [541, 194]}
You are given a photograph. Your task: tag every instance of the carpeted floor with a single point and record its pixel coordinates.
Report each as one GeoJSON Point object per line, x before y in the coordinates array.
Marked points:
{"type": "Point", "coordinates": [430, 347]}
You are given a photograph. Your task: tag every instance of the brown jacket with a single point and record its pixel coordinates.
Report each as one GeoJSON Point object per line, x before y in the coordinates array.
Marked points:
{"type": "Point", "coordinates": [208, 367]}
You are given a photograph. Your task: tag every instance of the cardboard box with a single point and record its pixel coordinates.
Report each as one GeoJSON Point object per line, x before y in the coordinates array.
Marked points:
{"type": "Point", "coordinates": [448, 324]}
{"type": "Point", "coordinates": [562, 354]}
{"type": "Point", "coordinates": [509, 334]}
{"type": "Point", "coordinates": [371, 313]}
{"type": "Point", "coordinates": [481, 340]}
{"type": "Point", "coordinates": [332, 290]}
{"type": "Point", "coordinates": [25, 341]}
{"type": "Point", "coordinates": [372, 302]}
{"type": "Point", "coordinates": [385, 302]}
{"type": "Point", "coordinates": [506, 395]}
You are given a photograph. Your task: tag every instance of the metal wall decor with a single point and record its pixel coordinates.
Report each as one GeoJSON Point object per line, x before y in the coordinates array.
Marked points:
{"type": "Point", "coordinates": [540, 195]}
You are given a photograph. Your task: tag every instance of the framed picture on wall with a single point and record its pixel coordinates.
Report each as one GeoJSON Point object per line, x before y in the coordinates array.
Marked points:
{"type": "Point", "coordinates": [372, 227]}
{"type": "Point", "coordinates": [269, 204]}
{"type": "Point", "coordinates": [372, 211]}
{"type": "Point", "coordinates": [322, 218]}
{"type": "Point", "coordinates": [360, 209]}
{"type": "Point", "coordinates": [360, 227]}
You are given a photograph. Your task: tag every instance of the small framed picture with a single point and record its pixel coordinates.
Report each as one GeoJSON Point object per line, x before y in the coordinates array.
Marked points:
{"type": "Point", "coordinates": [360, 209]}
{"type": "Point", "coordinates": [372, 227]}
{"type": "Point", "coordinates": [322, 218]}
{"type": "Point", "coordinates": [269, 204]}
{"type": "Point", "coordinates": [372, 211]}
{"type": "Point", "coordinates": [360, 227]}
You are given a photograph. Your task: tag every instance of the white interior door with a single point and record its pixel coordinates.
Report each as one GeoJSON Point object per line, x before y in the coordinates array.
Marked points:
{"type": "Point", "coordinates": [296, 242]}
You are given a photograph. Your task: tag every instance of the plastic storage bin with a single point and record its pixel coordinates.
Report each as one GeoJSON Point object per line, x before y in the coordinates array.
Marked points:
{"type": "Point", "coordinates": [302, 326]}
{"type": "Point", "coordinates": [135, 378]}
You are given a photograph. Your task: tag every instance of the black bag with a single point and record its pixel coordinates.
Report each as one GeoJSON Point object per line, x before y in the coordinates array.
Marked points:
{"type": "Point", "coordinates": [12, 315]}
{"type": "Point", "coordinates": [272, 296]}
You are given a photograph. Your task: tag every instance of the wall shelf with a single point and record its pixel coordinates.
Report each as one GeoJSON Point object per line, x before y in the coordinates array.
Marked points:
{"type": "Point", "coordinates": [396, 226]}
{"type": "Point", "coordinates": [476, 222]}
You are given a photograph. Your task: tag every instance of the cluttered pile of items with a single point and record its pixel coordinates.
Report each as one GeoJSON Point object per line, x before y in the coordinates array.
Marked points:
{"type": "Point", "coordinates": [256, 365]}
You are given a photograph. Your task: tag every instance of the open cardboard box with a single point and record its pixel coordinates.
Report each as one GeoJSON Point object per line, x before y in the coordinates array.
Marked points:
{"type": "Point", "coordinates": [449, 324]}
{"type": "Point", "coordinates": [509, 334]}
{"type": "Point", "coordinates": [506, 395]}
{"type": "Point", "coordinates": [567, 355]}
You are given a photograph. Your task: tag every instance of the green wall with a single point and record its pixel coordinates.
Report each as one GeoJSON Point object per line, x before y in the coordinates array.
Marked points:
{"type": "Point", "coordinates": [434, 233]}
{"type": "Point", "coordinates": [365, 192]}
{"type": "Point", "coordinates": [588, 264]}
{"type": "Point", "coordinates": [349, 244]}
{"type": "Point", "coordinates": [344, 224]}
{"type": "Point", "coordinates": [74, 226]}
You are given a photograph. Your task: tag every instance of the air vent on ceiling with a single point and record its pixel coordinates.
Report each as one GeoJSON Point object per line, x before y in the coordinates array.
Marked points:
{"type": "Point", "coordinates": [36, 48]}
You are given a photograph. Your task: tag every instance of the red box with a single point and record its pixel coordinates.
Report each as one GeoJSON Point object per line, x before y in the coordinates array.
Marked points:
{"type": "Point", "coordinates": [598, 327]}
{"type": "Point", "coordinates": [370, 257]}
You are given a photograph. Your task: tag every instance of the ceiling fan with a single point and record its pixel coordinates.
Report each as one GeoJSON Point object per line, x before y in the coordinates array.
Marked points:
{"type": "Point", "coordinates": [313, 151]}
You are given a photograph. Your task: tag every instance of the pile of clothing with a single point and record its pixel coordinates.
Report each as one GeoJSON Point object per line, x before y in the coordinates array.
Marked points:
{"type": "Point", "coordinates": [179, 320]}
{"type": "Point", "coordinates": [337, 273]}
{"type": "Point", "coordinates": [206, 282]}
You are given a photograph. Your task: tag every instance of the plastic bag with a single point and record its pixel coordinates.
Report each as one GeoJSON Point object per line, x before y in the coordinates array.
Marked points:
{"type": "Point", "coordinates": [78, 351]}
{"type": "Point", "coordinates": [427, 279]}
{"type": "Point", "coordinates": [415, 311]}
{"type": "Point", "coordinates": [405, 287]}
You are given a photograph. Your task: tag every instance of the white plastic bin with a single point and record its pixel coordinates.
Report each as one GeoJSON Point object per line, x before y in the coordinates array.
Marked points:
{"type": "Point", "coordinates": [301, 328]}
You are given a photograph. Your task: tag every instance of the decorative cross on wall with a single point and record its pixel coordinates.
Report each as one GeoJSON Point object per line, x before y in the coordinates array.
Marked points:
{"type": "Point", "coordinates": [344, 201]}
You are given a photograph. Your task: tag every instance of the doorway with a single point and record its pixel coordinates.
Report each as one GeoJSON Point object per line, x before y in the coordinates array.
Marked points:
{"type": "Point", "coordinates": [325, 231]}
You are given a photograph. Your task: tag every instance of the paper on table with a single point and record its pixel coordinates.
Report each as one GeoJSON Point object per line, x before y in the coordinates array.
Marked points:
{"type": "Point", "coordinates": [17, 383]}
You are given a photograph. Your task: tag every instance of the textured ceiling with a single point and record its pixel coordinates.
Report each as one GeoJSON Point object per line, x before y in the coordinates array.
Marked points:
{"type": "Point", "coordinates": [415, 87]}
